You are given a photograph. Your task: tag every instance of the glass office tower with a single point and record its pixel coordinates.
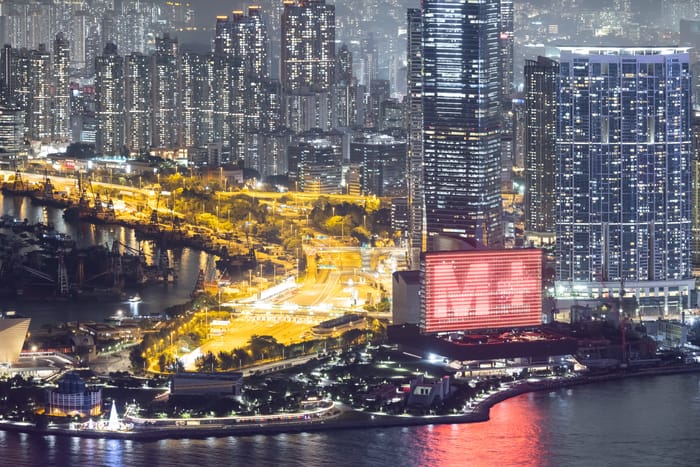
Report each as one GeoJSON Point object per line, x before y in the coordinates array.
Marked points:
{"type": "Point", "coordinates": [624, 176]}
{"type": "Point", "coordinates": [461, 103]}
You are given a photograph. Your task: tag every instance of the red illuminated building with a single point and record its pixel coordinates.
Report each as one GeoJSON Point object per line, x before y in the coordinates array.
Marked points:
{"type": "Point", "coordinates": [481, 289]}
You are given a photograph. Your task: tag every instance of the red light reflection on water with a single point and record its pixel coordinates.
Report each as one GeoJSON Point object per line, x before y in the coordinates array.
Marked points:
{"type": "Point", "coordinates": [513, 436]}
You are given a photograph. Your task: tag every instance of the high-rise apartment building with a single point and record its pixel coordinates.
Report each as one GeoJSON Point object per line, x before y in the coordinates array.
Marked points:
{"type": "Point", "coordinates": [20, 82]}
{"type": "Point", "coordinates": [196, 103]}
{"type": "Point", "coordinates": [461, 137]}
{"type": "Point", "coordinates": [61, 89]}
{"type": "Point", "coordinates": [166, 93]}
{"type": "Point", "coordinates": [257, 77]}
{"type": "Point", "coordinates": [624, 151]}
{"type": "Point", "coordinates": [40, 83]}
{"type": "Point", "coordinates": [308, 46]}
{"type": "Point", "coordinates": [137, 103]}
{"type": "Point", "coordinates": [242, 71]}
{"type": "Point", "coordinates": [541, 77]}
{"type": "Point", "coordinates": [109, 102]}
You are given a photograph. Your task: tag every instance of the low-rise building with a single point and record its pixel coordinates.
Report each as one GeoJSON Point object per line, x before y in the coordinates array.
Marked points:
{"type": "Point", "coordinates": [206, 384]}
{"type": "Point", "coordinates": [73, 397]}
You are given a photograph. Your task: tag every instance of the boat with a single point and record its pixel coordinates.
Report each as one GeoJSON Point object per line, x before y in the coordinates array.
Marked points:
{"type": "Point", "coordinates": [135, 298]}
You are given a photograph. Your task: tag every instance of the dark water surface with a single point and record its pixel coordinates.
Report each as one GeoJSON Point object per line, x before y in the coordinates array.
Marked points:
{"type": "Point", "coordinates": [155, 297]}
{"type": "Point", "coordinates": [649, 421]}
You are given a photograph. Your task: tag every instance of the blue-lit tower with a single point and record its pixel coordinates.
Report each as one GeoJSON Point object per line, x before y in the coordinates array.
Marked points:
{"type": "Point", "coordinates": [624, 151]}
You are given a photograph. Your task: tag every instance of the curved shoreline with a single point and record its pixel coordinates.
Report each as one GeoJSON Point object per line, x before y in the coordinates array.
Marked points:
{"type": "Point", "coordinates": [479, 413]}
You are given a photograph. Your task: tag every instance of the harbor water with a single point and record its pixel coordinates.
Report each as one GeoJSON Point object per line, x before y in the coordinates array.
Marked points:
{"type": "Point", "coordinates": [648, 421]}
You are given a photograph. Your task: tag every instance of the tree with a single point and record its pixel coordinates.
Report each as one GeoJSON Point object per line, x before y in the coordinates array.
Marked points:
{"type": "Point", "coordinates": [136, 357]}
{"type": "Point", "coordinates": [269, 232]}
{"type": "Point", "coordinates": [226, 360]}
{"type": "Point", "coordinates": [207, 363]}
{"type": "Point", "coordinates": [264, 346]}
{"type": "Point", "coordinates": [241, 356]}
{"type": "Point", "coordinates": [352, 336]}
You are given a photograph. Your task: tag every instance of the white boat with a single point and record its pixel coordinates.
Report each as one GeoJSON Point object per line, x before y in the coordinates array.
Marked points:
{"type": "Point", "coordinates": [135, 298]}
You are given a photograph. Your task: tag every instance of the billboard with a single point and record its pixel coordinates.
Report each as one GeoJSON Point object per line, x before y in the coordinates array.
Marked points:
{"type": "Point", "coordinates": [489, 289]}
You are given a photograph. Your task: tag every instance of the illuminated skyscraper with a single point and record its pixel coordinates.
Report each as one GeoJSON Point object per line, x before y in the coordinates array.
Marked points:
{"type": "Point", "coordinates": [237, 57]}
{"type": "Point", "coordinates": [257, 76]}
{"type": "Point", "coordinates": [506, 42]}
{"type": "Point", "coordinates": [308, 46]}
{"type": "Point", "coordinates": [696, 192]}
{"type": "Point", "coordinates": [414, 170]}
{"type": "Point", "coordinates": [624, 152]}
{"type": "Point", "coordinates": [137, 103]}
{"type": "Point", "coordinates": [541, 77]}
{"type": "Point", "coordinates": [242, 72]}
{"type": "Point", "coordinates": [40, 81]}
{"type": "Point", "coordinates": [61, 91]}
{"type": "Point", "coordinates": [109, 101]}
{"type": "Point", "coordinates": [20, 88]}
{"type": "Point", "coordinates": [461, 103]}
{"type": "Point", "coordinates": [166, 93]}
{"type": "Point", "coordinates": [196, 102]}
{"type": "Point", "coordinates": [221, 81]}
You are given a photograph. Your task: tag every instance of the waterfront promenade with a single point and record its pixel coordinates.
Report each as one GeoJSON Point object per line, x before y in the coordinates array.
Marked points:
{"type": "Point", "coordinates": [336, 416]}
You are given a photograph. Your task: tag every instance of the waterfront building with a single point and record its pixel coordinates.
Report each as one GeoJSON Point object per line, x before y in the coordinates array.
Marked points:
{"type": "Point", "coordinates": [13, 332]}
{"type": "Point", "coordinates": [480, 289]}
{"type": "Point", "coordinates": [73, 398]}
{"type": "Point", "coordinates": [541, 77]}
{"type": "Point", "coordinates": [461, 135]}
{"type": "Point", "coordinates": [109, 102]}
{"type": "Point", "coordinates": [624, 149]}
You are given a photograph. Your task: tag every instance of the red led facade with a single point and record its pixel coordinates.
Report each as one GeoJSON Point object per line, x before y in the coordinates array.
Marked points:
{"type": "Point", "coordinates": [468, 290]}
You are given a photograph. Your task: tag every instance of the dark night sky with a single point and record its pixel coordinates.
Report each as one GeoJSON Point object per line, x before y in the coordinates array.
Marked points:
{"type": "Point", "coordinates": [207, 10]}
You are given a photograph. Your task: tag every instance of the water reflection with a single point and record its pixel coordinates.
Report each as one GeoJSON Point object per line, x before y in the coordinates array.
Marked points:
{"type": "Point", "coordinates": [514, 436]}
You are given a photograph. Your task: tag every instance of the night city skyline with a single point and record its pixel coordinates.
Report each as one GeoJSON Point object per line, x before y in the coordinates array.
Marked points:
{"type": "Point", "coordinates": [313, 232]}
